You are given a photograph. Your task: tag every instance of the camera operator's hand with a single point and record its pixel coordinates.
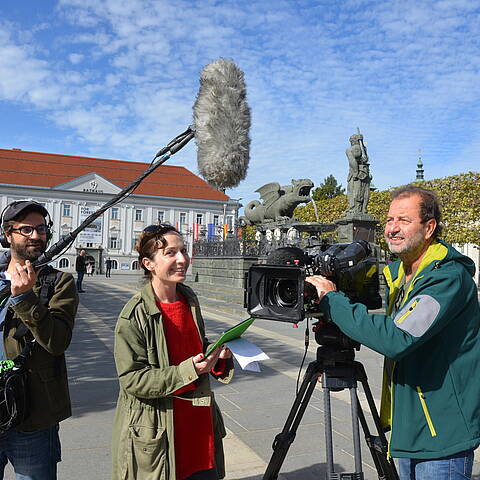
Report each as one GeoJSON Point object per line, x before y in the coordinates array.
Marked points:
{"type": "Point", "coordinates": [322, 284]}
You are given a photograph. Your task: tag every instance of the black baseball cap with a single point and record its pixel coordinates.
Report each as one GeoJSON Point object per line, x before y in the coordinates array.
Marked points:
{"type": "Point", "coordinates": [16, 208]}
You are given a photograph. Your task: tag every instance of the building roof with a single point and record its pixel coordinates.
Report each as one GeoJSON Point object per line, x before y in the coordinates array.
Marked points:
{"type": "Point", "coordinates": [21, 167]}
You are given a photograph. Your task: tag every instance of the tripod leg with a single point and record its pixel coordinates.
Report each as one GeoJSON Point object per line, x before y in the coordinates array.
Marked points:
{"type": "Point", "coordinates": [327, 415]}
{"type": "Point", "coordinates": [378, 445]}
{"type": "Point", "coordinates": [286, 437]}
{"type": "Point", "coordinates": [341, 378]}
{"type": "Point", "coordinates": [357, 452]}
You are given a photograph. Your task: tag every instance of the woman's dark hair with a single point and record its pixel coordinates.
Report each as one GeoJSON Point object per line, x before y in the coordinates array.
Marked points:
{"type": "Point", "coordinates": [429, 204]}
{"type": "Point", "coordinates": [151, 239]}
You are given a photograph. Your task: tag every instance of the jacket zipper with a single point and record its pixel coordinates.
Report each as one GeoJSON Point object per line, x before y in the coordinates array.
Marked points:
{"type": "Point", "coordinates": [421, 396]}
{"type": "Point", "coordinates": [408, 312]}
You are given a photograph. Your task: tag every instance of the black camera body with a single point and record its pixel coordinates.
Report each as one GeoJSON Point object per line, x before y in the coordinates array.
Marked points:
{"type": "Point", "coordinates": [279, 292]}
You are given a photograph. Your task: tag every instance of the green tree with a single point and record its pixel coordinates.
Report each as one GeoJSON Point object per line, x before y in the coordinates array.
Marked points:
{"type": "Point", "coordinates": [329, 188]}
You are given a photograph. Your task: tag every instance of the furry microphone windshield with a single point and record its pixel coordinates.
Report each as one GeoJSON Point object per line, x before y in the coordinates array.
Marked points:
{"type": "Point", "coordinates": [221, 120]}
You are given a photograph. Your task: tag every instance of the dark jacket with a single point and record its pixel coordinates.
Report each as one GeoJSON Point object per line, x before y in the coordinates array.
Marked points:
{"type": "Point", "coordinates": [143, 435]}
{"type": "Point", "coordinates": [431, 400]}
{"type": "Point", "coordinates": [80, 264]}
{"type": "Point", "coordinates": [47, 384]}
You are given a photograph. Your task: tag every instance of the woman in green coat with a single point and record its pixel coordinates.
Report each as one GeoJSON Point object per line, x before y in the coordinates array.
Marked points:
{"type": "Point", "coordinates": [167, 425]}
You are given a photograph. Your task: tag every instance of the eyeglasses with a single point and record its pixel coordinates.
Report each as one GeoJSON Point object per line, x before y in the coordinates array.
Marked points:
{"type": "Point", "coordinates": [27, 230]}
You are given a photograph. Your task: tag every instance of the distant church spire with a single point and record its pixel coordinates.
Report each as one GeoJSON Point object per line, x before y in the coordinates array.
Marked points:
{"type": "Point", "coordinates": [420, 170]}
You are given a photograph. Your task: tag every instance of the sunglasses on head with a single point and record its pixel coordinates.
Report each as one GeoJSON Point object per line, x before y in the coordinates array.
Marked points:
{"type": "Point", "coordinates": [157, 228]}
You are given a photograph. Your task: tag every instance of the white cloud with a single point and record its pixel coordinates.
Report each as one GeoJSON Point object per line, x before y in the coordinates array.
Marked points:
{"type": "Point", "coordinates": [124, 78]}
{"type": "Point", "coordinates": [76, 58]}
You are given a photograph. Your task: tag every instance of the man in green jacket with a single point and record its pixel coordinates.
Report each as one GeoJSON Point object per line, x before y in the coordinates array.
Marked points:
{"type": "Point", "coordinates": [47, 317]}
{"type": "Point", "coordinates": [430, 338]}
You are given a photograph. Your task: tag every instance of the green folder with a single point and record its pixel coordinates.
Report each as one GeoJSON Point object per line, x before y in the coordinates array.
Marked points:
{"type": "Point", "coordinates": [229, 335]}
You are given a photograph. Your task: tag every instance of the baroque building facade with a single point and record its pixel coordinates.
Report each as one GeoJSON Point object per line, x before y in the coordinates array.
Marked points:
{"type": "Point", "coordinates": [73, 187]}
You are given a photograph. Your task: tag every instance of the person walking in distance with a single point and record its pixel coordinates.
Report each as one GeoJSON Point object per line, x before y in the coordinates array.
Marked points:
{"type": "Point", "coordinates": [108, 267]}
{"type": "Point", "coordinates": [81, 269]}
{"type": "Point", "coordinates": [38, 308]}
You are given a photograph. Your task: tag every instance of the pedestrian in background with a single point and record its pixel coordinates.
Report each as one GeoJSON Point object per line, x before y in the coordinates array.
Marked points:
{"type": "Point", "coordinates": [89, 269]}
{"type": "Point", "coordinates": [81, 269]}
{"type": "Point", "coordinates": [167, 425]}
{"type": "Point", "coordinates": [108, 267]}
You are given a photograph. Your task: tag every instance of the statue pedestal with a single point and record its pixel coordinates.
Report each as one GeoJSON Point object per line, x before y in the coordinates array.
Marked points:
{"type": "Point", "coordinates": [356, 227]}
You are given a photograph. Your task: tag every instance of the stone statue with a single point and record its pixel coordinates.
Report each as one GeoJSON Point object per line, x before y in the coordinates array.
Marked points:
{"type": "Point", "coordinates": [278, 202]}
{"type": "Point", "coordinates": [292, 236]}
{"type": "Point", "coordinates": [359, 178]}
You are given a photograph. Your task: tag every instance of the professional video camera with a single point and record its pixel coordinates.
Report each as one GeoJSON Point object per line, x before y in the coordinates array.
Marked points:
{"type": "Point", "coordinates": [278, 291]}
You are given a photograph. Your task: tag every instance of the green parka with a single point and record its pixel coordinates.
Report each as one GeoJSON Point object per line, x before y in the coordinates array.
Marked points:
{"type": "Point", "coordinates": [52, 326]}
{"type": "Point", "coordinates": [431, 400]}
{"type": "Point", "coordinates": [143, 434]}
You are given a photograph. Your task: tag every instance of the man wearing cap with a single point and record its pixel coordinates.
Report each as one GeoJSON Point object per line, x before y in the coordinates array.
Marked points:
{"type": "Point", "coordinates": [33, 447]}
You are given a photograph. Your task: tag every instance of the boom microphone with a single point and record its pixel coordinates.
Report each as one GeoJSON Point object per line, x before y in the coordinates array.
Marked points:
{"type": "Point", "coordinates": [221, 121]}
{"type": "Point", "coordinates": [221, 124]}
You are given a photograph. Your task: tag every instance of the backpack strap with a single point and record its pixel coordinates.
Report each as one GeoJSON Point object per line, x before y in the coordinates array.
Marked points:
{"type": "Point", "coordinates": [47, 278]}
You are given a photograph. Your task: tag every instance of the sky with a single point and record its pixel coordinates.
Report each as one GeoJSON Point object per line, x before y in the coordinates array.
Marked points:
{"type": "Point", "coordinates": [112, 79]}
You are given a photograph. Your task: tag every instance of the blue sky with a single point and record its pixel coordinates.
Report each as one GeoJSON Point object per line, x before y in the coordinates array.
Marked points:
{"type": "Point", "coordinates": [114, 79]}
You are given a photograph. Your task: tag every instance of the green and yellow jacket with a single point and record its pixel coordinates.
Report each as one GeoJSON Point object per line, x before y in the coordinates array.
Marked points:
{"type": "Point", "coordinates": [431, 393]}
{"type": "Point", "coordinates": [143, 433]}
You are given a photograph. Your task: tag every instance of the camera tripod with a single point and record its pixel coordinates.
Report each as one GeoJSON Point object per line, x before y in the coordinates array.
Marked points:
{"type": "Point", "coordinates": [340, 371]}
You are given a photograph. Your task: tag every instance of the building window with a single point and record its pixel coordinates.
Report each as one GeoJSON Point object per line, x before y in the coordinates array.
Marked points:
{"type": "Point", "coordinates": [229, 221]}
{"type": "Point", "coordinates": [216, 219]}
{"type": "Point", "coordinates": [161, 216]}
{"type": "Point", "coordinates": [183, 218]}
{"type": "Point", "coordinates": [114, 265]}
{"type": "Point", "coordinates": [199, 218]}
{"type": "Point", "coordinates": [67, 210]}
{"type": "Point", "coordinates": [114, 213]}
{"type": "Point", "coordinates": [114, 243]}
{"type": "Point", "coordinates": [138, 215]}
{"type": "Point", "coordinates": [135, 265]}
{"type": "Point", "coordinates": [89, 245]}
{"type": "Point", "coordinates": [64, 263]}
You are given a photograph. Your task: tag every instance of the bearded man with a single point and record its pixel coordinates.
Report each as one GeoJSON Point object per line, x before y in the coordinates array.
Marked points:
{"type": "Point", "coordinates": [37, 307]}
{"type": "Point", "coordinates": [430, 338]}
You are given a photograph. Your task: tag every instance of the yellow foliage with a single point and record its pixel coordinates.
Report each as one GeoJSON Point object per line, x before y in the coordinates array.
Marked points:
{"type": "Point", "coordinates": [459, 196]}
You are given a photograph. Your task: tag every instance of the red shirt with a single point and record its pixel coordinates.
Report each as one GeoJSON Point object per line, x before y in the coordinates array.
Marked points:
{"type": "Point", "coordinates": [193, 428]}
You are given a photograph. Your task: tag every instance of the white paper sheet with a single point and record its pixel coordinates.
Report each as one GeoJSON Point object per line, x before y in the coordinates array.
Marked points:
{"type": "Point", "coordinates": [247, 354]}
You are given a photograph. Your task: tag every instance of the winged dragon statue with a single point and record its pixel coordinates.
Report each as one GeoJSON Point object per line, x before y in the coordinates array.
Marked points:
{"type": "Point", "coordinates": [279, 202]}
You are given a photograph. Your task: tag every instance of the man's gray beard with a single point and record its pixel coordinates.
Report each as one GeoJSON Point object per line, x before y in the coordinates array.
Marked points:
{"type": "Point", "coordinates": [27, 253]}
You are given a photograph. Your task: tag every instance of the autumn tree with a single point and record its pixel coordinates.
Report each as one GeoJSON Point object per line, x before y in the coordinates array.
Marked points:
{"type": "Point", "coordinates": [458, 194]}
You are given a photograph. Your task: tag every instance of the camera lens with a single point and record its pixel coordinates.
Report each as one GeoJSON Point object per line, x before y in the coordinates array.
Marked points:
{"type": "Point", "coordinates": [285, 293]}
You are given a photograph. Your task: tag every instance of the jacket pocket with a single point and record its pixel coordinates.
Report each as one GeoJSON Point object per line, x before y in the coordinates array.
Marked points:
{"type": "Point", "coordinates": [423, 403]}
{"type": "Point", "coordinates": [147, 457]}
{"type": "Point", "coordinates": [55, 389]}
